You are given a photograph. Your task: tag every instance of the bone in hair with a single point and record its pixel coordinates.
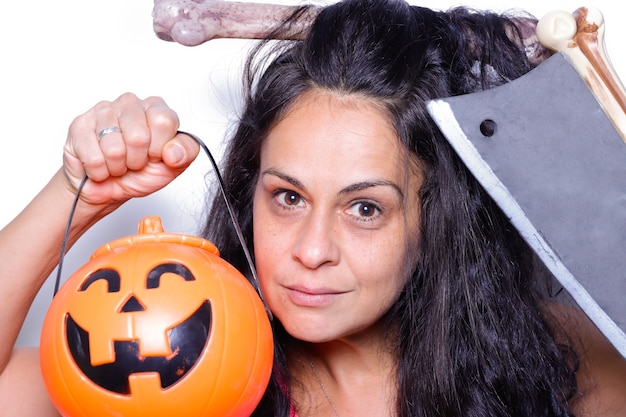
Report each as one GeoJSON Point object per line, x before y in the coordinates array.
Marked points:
{"type": "Point", "coordinates": [535, 51]}
{"type": "Point", "coordinates": [580, 37]}
{"type": "Point", "coordinates": [193, 22]}
{"type": "Point", "coordinates": [590, 39]}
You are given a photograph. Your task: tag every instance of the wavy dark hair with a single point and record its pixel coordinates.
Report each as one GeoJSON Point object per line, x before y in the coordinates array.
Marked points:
{"type": "Point", "coordinates": [472, 339]}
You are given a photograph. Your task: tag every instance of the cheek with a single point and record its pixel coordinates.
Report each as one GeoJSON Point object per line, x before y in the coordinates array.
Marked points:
{"type": "Point", "coordinates": [388, 273]}
{"type": "Point", "coordinates": [270, 246]}
{"type": "Point", "coordinates": [387, 262]}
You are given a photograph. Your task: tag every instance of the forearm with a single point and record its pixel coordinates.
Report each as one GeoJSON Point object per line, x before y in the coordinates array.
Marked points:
{"type": "Point", "coordinates": [29, 250]}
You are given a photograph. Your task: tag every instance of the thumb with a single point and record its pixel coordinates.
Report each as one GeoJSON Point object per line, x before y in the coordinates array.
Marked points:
{"type": "Point", "coordinates": [180, 151]}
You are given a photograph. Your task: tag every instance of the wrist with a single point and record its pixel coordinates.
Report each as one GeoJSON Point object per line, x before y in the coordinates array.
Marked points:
{"type": "Point", "coordinates": [85, 213]}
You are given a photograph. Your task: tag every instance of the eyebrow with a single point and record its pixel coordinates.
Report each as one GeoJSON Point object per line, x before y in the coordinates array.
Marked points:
{"type": "Point", "coordinates": [347, 190]}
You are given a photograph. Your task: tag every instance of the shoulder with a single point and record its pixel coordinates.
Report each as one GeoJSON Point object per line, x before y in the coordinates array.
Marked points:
{"type": "Point", "coordinates": [601, 373]}
{"type": "Point", "coordinates": [22, 391]}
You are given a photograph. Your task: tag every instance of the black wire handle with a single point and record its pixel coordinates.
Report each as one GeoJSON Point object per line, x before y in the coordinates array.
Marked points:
{"type": "Point", "coordinates": [231, 212]}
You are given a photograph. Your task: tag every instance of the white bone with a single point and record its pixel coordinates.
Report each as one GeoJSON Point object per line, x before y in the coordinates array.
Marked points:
{"type": "Point", "coordinates": [580, 37]}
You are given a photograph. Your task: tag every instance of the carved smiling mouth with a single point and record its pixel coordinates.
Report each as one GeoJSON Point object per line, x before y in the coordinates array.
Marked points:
{"type": "Point", "coordinates": [187, 341]}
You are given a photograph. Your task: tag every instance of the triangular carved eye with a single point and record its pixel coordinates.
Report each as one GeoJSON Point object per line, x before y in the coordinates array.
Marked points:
{"type": "Point", "coordinates": [131, 305]}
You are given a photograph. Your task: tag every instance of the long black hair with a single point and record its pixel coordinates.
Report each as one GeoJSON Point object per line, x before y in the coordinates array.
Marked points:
{"type": "Point", "coordinates": [472, 339]}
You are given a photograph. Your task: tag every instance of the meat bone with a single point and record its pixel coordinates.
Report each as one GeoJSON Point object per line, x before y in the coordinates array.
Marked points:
{"type": "Point", "coordinates": [193, 22]}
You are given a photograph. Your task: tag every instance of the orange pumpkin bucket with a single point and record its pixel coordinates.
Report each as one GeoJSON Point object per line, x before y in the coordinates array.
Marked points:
{"type": "Point", "coordinates": [156, 324]}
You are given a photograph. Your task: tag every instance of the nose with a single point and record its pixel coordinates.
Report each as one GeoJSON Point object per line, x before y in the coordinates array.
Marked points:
{"type": "Point", "coordinates": [316, 244]}
{"type": "Point", "coordinates": [132, 304]}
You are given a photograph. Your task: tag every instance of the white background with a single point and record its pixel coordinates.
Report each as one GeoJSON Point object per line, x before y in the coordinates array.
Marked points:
{"type": "Point", "coordinates": [58, 58]}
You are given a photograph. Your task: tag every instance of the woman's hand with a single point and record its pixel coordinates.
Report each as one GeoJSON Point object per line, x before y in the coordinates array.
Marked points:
{"type": "Point", "coordinates": [141, 154]}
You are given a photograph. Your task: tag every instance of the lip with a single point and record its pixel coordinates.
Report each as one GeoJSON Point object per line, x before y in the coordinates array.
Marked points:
{"type": "Point", "coordinates": [319, 297]}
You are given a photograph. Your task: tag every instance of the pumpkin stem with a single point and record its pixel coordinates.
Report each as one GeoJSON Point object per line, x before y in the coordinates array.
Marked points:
{"type": "Point", "coordinates": [150, 224]}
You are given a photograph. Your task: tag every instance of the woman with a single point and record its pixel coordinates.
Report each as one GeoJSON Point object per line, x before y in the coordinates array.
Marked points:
{"type": "Point", "coordinates": [397, 286]}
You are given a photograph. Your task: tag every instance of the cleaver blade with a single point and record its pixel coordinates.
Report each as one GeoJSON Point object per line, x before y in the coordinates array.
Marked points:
{"type": "Point", "coordinates": [544, 149]}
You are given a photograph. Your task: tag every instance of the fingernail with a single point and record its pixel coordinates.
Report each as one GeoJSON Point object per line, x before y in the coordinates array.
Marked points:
{"type": "Point", "coordinates": [174, 154]}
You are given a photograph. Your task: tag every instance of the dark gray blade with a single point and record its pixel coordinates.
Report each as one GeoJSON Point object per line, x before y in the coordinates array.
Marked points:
{"type": "Point", "coordinates": [557, 167]}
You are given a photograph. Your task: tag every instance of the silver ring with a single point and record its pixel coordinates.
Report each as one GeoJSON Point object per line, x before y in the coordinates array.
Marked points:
{"type": "Point", "coordinates": [108, 130]}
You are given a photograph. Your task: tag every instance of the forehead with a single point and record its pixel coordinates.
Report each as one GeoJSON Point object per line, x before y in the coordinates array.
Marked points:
{"type": "Point", "coordinates": [323, 128]}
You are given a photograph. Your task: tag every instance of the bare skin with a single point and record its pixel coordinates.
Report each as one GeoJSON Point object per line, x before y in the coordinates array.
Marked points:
{"type": "Point", "coordinates": [349, 356]}
{"type": "Point", "coordinates": [602, 373]}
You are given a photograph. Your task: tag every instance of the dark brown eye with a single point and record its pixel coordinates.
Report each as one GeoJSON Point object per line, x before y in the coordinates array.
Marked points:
{"type": "Point", "coordinates": [366, 210]}
{"type": "Point", "coordinates": [291, 198]}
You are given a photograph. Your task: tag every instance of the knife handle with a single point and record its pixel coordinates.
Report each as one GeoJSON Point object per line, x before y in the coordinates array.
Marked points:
{"type": "Point", "coordinates": [580, 37]}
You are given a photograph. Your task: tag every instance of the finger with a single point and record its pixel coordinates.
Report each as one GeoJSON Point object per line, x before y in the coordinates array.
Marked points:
{"type": "Point", "coordinates": [111, 139]}
{"type": "Point", "coordinates": [180, 151]}
{"type": "Point", "coordinates": [82, 154]}
{"type": "Point", "coordinates": [136, 136]}
{"type": "Point", "coordinates": [163, 123]}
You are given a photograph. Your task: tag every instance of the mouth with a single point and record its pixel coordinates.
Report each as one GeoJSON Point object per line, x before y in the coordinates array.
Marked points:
{"type": "Point", "coordinates": [320, 297]}
{"type": "Point", "coordinates": [187, 342]}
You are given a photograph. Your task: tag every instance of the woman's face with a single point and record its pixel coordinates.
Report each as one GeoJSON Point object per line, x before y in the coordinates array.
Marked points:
{"type": "Point", "coordinates": [335, 210]}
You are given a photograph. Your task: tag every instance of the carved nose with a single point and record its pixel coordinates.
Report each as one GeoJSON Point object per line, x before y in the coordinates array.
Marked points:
{"type": "Point", "coordinates": [131, 305]}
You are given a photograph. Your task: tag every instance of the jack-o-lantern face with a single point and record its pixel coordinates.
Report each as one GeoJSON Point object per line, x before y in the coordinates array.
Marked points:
{"type": "Point", "coordinates": [157, 325]}
{"type": "Point", "coordinates": [127, 355]}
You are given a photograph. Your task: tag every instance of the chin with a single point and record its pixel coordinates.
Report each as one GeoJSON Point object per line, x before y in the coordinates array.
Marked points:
{"type": "Point", "coordinates": [312, 331]}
